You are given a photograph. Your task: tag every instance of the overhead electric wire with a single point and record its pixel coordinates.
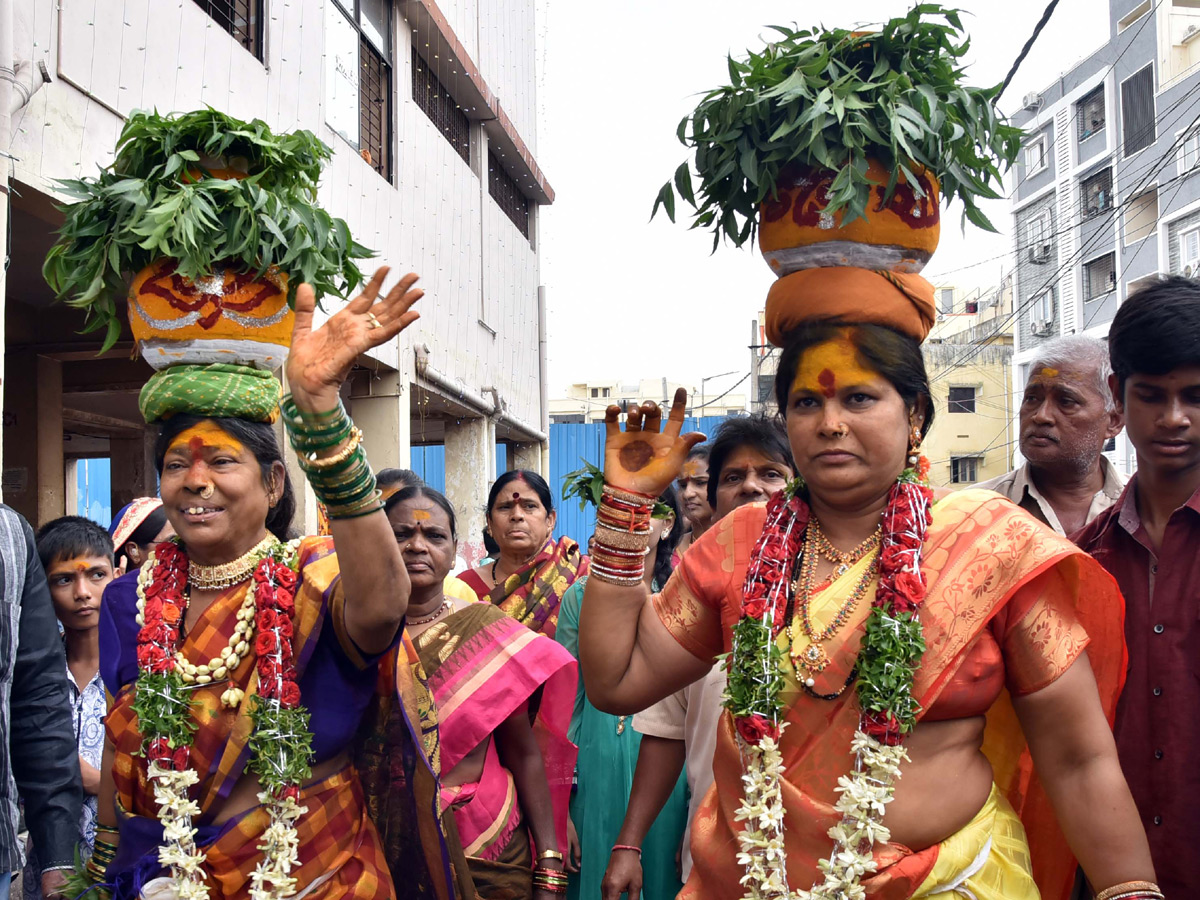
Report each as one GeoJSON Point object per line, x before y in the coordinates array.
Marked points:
{"type": "Point", "coordinates": [1037, 30]}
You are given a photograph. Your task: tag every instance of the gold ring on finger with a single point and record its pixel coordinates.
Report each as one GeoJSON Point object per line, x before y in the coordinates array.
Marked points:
{"type": "Point", "coordinates": [374, 322]}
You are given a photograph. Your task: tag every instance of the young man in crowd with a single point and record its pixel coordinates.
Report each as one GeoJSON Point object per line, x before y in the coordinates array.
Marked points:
{"type": "Point", "coordinates": [749, 460]}
{"type": "Point", "coordinates": [77, 555]}
{"type": "Point", "coordinates": [1149, 541]}
{"type": "Point", "coordinates": [39, 763]}
{"type": "Point", "coordinates": [1068, 414]}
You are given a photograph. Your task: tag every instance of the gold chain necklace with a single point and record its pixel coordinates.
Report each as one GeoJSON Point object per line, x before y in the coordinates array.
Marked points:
{"type": "Point", "coordinates": [813, 659]}
{"type": "Point", "coordinates": [436, 614]}
{"type": "Point", "coordinates": [226, 575]}
{"type": "Point", "coordinates": [843, 561]}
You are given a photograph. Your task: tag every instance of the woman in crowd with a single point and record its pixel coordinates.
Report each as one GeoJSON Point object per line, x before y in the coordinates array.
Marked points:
{"type": "Point", "coordinates": [692, 485]}
{"type": "Point", "coordinates": [240, 663]}
{"type": "Point", "coordinates": [608, 752]}
{"type": "Point", "coordinates": [815, 593]}
{"type": "Point", "coordinates": [495, 687]}
{"type": "Point", "coordinates": [528, 578]}
{"type": "Point", "coordinates": [137, 528]}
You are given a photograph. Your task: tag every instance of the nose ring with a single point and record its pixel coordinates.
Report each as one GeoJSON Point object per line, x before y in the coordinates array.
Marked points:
{"type": "Point", "coordinates": [207, 493]}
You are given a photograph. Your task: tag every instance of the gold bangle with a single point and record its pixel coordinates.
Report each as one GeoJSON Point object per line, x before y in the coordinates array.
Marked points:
{"type": "Point", "coordinates": [1110, 892]}
{"type": "Point", "coordinates": [550, 854]}
{"type": "Point", "coordinates": [328, 462]}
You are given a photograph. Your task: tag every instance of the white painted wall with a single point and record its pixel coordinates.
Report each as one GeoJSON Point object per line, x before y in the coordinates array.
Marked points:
{"type": "Point", "coordinates": [113, 56]}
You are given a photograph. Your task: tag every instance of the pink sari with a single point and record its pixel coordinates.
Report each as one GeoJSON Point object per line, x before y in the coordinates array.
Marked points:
{"type": "Point", "coordinates": [482, 667]}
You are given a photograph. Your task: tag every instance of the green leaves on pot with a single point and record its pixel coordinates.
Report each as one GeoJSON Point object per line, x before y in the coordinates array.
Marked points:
{"type": "Point", "coordinates": [831, 99]}
{"type": "Point", "coordinates": [158, 200]}
{"type": "Point", "coordinates": [588, 485]}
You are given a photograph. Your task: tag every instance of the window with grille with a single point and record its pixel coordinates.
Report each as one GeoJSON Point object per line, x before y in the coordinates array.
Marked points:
{"type": "Point", "coordinates": [358, 83]}
{"type": "Point", "coordinates": [962, 400]}
{"type": "Point", "coordinates": [1189, 151]}
{"type": "Point", "coordinates": [243, 19]}
{"type": "Point", "coordinates": [375, 110]}
{"type": "Point", "coordinates": [1189, 251]}
{"type": "Point", "coordinates": [964, 469]}
{"type": "Point", "coordinates": [437, 103]}
{"type": "Point", "coordinates": [1097, 193]}
{"type": "Point", "coordinates": [1137, 110]}
{"type": "Point", "coordinates": [1041, 313]}
{"type": "Point", "coordinates": [1090, 113]}
{"type": "Point", "coordinates": [946, 300]}
{"type": "Point", "coordinates": [1099, 276]}
{"type": "Point", "coordinates": [1035, 155]}
{"type": "Point", "coordinates": [507, 194]}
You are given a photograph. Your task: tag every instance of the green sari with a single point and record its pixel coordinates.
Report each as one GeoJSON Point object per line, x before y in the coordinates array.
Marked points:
{"type": "Point", "coordinates": [606, 763]}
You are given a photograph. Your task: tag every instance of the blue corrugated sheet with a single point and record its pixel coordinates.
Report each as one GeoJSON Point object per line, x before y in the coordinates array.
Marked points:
{"type": "Point", "coordinates": [569, 443]}
{"type": "Point", "coordinates": [430, 463]}
{"type": "Point", "coordinates": [94, 482]}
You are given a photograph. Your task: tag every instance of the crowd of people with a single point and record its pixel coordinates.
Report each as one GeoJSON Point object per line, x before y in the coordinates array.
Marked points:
{"type": "Point", "coordinates": [555, 721]}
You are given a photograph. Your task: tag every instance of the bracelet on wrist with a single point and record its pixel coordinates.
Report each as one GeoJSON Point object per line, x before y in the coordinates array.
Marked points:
{"type": "Point", "coordinates": [630, 847]}
{"type": "Point", "coordinates": [1130, 889]}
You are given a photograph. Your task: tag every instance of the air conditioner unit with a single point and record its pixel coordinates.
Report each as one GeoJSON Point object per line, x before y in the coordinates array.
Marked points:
{"type": "Point", "coordinates": [1031, 100]}
{"type": "Point", "coordinates": [1040, 327]}
{"type": "Point", "coordinates": [1039, 253]}
{"type": "Point", "coordinates": [1191, 268]}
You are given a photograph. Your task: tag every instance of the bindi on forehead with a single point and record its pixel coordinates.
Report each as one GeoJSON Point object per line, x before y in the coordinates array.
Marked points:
{"type": "Point", "coordinates": [828, 382]}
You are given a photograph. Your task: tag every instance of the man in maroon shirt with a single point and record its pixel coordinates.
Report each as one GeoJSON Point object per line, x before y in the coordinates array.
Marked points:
{"type": "Point", "coordinates": [1150, 541]}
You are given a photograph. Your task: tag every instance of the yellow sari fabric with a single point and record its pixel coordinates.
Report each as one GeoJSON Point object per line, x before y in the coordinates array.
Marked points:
{"type": "Point", "coordinates": [983, 558]}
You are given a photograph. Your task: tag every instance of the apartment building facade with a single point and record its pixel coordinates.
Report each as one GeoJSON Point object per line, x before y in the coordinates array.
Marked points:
{"type": "Point", "coordinates": [430, 108]}
{"type": "Point", "coordinates": [1106, 193]}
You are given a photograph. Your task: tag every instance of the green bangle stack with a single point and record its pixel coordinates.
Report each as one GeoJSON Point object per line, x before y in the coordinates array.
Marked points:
{"type": "Point", "coordinates": [343, 482]}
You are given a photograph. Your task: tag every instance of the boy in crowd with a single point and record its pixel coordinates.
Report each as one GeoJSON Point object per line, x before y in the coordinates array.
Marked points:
{"type": "Point", "coordinates": [77, 555]}
{"type": "Point", "coordinates": [1148, 541]}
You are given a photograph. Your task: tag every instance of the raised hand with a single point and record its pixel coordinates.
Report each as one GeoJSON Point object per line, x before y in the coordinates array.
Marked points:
{"type": "Point", "coordinates": [641, 458]}
{"type": "Point", "coordinates": [320, 360]}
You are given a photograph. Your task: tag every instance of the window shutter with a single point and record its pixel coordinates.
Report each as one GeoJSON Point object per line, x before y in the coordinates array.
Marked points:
{"type": "Point", "coordinates": [1137, 110]}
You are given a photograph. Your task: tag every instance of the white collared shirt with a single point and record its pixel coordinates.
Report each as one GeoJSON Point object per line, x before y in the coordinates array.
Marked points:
{"type": "Point", "coordinates": [1018, 487]}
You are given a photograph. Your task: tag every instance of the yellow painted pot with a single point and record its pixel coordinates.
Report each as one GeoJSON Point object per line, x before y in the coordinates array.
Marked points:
{"type": "Point", "coordinates": [228, 317]}
{"type": "Point", "coordinates": [796, 233]}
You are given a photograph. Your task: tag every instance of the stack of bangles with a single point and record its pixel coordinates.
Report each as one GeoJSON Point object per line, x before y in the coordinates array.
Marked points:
{"type": "Point", "coordinates": [553, 881]}
{"type": "Point", "coordinates": [103, 853]}
{"type": "Point", "coordinates": [343, 481]}
{"type": "Point", "coordinates": [622, 537]}
{"type": "Point", "coordinates": [1132, 890]}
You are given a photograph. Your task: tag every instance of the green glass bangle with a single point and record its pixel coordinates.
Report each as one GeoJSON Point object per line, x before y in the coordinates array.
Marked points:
{"type": "Point", "coordinates": [372, 503]}
{"type": "Point", "coordinates": [335, 469]}
{"type": "Point", "coordinates": [287, 405]}
{"type": "Point", "coordinates": [342, 476]}
{"type": "Point", "coordinates": [311, 441]}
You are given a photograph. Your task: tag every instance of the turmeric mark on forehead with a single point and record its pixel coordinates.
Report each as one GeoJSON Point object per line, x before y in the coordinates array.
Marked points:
{"type": "Point", "coordinates": [205, 436]}
{"type": "Point", "coordinates": [1048, 372]}
{"type": "Point", "coordinates": [420, 515]}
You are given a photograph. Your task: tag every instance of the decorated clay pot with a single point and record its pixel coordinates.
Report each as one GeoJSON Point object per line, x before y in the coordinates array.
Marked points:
{"type": "Point", "coordinates": [796, 233]}
{"type": "Point", "coordinates": [229, 317]}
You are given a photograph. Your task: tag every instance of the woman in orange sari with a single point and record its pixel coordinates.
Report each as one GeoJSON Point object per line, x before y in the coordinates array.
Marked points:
{"type": "Point", "coordinates": [946, 659]}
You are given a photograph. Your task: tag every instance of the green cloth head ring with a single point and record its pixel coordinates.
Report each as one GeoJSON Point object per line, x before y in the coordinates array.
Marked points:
{"type": "Point", "coordinates": [218, 390]}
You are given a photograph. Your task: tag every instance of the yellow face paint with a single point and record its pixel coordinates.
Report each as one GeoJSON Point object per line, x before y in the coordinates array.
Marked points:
{"type": "Point", "coordinates": [828, 366]}
{"type": "Point", "coordinates": [206, 435]}
{"type": "Point", "coordinates": [691, 469]}
{"type": "Point", "coordinates": [420, 515]}
{"type": "Point", "coordinates": [1049, 372]}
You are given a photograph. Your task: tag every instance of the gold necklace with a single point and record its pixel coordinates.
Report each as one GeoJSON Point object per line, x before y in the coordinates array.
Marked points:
{"type": "Point", "coordinates": [226, 575]}
{"type": "Point", "coordinates": [813, 659]}
{"type": "Point", "coordinates": [843, 561]}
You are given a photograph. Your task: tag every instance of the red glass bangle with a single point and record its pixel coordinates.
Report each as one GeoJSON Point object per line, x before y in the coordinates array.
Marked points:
{"type": "Point", "coordinates": [637, 850]}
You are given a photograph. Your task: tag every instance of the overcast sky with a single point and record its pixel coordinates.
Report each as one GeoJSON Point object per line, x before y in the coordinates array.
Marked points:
{"type": "Point", "coordinates": [631, 299]}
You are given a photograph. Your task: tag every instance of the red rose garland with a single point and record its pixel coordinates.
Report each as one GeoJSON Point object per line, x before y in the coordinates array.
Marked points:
{"type": "Point", "coordinates": [892, 644]}
{"type": "Point", "coordinates": [280, 743]}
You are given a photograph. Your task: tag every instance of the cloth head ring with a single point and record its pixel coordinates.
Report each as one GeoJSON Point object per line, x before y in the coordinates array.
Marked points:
{"type": "Point", "coordinates": [375, 323]}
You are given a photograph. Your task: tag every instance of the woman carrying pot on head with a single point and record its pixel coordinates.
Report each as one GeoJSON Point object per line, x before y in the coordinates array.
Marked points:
{"type": "Point", "coordinates": [892, 648]}
{"type": "Point", "coordinates": [529, 576]}
{"type": "Point", "coordinates": [137, 529]}
{"type": "Point", "coordinates": [608, 750]}
{"type": "Point", "coordinates": [490, 680]}
{"type": "Point", "coordinates": [239, 661]}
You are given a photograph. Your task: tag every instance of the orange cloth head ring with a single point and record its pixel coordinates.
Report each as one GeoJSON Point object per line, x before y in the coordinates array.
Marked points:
{"type": "Point", "coordinates": [844, 293]}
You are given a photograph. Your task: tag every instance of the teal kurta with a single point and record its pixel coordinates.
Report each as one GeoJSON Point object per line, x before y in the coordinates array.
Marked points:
{"type": "Point", "coordinates": [606, 764]}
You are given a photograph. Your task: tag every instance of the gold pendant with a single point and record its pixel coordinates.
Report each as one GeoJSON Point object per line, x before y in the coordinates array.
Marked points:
{"type": "Point", "coordinates": [814, 659]}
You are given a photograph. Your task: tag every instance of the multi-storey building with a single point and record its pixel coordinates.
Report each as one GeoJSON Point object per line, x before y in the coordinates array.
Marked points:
{"type": "Point", "coordinates": [587, 401]}
{"type": "Point", "coordinates": [1106, 193]}
{"type": "Point", "coordinates": [430, 111]}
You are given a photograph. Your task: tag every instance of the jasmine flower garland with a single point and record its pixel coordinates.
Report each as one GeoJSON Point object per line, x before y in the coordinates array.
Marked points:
{"type": "Point", "coordinates": [890, 654]}
{"type": "Point", "coordinates": [280, 745]}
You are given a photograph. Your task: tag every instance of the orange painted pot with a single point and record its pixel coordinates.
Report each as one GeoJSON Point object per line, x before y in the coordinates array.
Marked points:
{"type": "Point", "coordinates": [228, 317]}
{"type": "Point", "coordinates": [795, 232]}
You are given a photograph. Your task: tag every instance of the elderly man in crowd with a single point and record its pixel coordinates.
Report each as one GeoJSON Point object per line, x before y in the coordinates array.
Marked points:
{"type": "Point", "coordinates": [1067, 415]}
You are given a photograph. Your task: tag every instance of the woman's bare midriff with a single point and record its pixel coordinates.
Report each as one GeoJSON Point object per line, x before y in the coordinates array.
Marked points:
{"type": "Point", "coordinates": [943, 787]}
{"type": "Point", "coordinates": [245, 793]}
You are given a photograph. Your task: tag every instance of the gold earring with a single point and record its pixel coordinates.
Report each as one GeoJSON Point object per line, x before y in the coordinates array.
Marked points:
{"type": "Point", "coordinates": [914, 444]}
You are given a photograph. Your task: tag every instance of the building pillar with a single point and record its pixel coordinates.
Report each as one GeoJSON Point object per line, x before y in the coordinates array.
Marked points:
{"type": "Point", "coordinates": [532, 456]}
{"type": "Point", "coordinates": [51, 470]}
{"type": "Point", "coordinates": [132, 467]}
{"type": "Point", "coordinates": [383, 415]}
{"type": "Point", "coordinates": [469, 452]}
